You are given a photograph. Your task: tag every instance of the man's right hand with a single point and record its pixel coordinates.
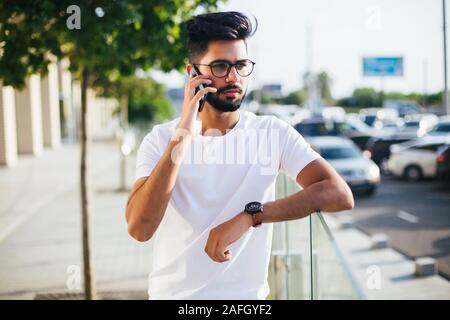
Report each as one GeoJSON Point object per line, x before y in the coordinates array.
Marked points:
{"type": "Point", "coordinates": [188, 119]}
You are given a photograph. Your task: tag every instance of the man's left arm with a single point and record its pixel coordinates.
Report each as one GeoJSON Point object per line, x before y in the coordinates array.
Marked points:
{"type": "Point", "coordinates": [323, 189]}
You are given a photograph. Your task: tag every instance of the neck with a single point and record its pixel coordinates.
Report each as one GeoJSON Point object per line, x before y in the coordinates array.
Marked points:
{"type": "Point", "coordinates": [213, 119]}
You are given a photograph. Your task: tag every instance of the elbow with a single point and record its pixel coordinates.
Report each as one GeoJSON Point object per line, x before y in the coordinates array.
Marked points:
{"type": "Point", "coordinates": [341, 195]}
{"type": "Point", "coordinates": [137, 233]}
{"type": "Point", "coordinates": [137, 229]}
{"type": "Point", "coordinates": [347, 201]}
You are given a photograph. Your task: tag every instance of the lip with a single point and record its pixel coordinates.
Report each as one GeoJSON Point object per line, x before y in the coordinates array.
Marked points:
{"type": "Point", "coordinates": [231, 93]}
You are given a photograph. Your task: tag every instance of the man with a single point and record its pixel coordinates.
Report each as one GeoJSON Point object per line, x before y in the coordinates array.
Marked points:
{"type": "Point", "coordinates": [211, 216]}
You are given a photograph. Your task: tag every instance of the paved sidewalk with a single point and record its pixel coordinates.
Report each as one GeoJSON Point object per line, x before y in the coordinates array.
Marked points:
{"type": "Point", "coordinates": [40, 219]}
{"type": "Point", "coordinates": [396, 270]}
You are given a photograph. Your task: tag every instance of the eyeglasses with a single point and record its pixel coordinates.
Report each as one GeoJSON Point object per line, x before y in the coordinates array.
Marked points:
{"type": "Point", "coordinates": [221, 69]}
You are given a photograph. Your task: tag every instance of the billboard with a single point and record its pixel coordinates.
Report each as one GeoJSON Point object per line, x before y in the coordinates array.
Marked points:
{"type": "Point", "coordinates": [382, 66]}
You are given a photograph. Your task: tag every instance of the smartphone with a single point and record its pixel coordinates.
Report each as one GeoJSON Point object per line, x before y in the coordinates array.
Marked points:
{"type": "Point", "coordinates": [195, 72]}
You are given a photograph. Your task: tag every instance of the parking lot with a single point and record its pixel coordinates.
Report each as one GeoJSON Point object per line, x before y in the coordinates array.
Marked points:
{"type": "Point", "coordinates": [392, 174]}
{"type": "Point", "coordinates": [414, 215]}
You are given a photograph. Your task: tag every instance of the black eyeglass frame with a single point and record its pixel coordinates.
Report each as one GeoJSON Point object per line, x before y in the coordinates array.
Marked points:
{"type": "Point", "coordinates": [230, 65]}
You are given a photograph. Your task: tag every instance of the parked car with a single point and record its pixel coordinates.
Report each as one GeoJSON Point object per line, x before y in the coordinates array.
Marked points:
{"type": "Point", "coordinates": [418, 125]}
{"type": "Point", "coordinates": [379, 149]}
{"type": "Point", "coordinates": [319, 126]}
{"type": "Point", "coordinates": [392, 126]}
{"type": "Point", "coordinates": [414, 160]}
{"type": "Point", "coordinates": [361, 174]}
{"type": "Point", "coordinates": [287, 113]}
{"type": "Point", "coordinates": [333, 113]}
{"type": "Point", "coordinates": [375, 117]}
{"type": "Point", "coordinates": [442, 128]}
{"type": "Point", "coordinates": [443, 163]}
{"type": "Point", "coordinates": [403, 107]}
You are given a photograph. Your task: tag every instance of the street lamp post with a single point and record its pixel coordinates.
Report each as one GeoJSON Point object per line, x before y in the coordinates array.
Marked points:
{"type": "Point", "coordinates": [445, 95]}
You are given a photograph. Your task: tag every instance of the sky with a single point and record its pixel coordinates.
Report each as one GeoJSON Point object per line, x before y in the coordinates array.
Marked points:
{"type": "Point", "coordinates": [341, 32]}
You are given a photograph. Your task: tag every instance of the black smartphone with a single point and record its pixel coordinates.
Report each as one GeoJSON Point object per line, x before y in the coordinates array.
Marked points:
{"type": "Point", "coordinates": [195, 72]}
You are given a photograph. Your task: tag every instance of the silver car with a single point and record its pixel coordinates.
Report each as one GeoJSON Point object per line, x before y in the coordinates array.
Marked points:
{"type": "Point", "coordinates": [357, 169]}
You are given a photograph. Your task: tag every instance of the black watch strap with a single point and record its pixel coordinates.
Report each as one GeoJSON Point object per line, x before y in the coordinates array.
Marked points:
{"type": "Point", "coordinates": [255, 209]}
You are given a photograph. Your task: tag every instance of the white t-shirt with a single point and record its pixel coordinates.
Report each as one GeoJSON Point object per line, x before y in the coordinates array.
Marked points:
{"type": "Point", "coordinates": [218, 176]}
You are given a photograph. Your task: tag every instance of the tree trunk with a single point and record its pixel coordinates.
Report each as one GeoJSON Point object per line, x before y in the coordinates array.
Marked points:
{"type": "Point", "coordinates": [89, 288]}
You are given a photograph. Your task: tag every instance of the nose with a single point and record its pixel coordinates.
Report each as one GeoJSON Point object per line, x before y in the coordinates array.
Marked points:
{"type": "Point", "coordinates": [233, 76]}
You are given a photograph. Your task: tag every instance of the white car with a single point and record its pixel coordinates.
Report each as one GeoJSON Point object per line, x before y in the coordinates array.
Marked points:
{"type": "Point", "coordinates": [418, 125]}
{"type": "Point", "coordinates": [442, 129]}
{"type": "Point", "coordinates": [415, 159]}
{"type": "Point", "coordinates": [361, 174]}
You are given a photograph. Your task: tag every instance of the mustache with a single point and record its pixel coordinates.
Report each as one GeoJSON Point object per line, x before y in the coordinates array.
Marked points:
{"type": "Point", "coordinates": [230, 87]}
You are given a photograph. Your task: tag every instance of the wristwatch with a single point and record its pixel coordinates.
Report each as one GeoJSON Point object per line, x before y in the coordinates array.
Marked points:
{"type": "Point", "coordinates": [255, 209]}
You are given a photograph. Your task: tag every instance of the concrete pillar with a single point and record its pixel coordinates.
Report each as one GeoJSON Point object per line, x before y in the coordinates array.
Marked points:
{"type": "Point", "coordinates": [50, 108]}
{"type": "Point", "coordinates": [8, 135]}
{"type": "Point", "coordinates": [29, 117]}
{"type": "Point", "coordinates": [76, 107]}
{"type": "Point", "coordinates": [67, 114]}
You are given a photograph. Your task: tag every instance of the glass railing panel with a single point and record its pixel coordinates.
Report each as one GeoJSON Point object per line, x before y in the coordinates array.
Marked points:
{"type": "Point", "coordinates": [306, 262]}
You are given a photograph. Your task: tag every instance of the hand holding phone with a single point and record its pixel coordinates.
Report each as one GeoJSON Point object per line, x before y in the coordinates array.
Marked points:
{"type": "Point", "coordinates": [193, 94]}
{"type": "Point", "coordinates": [194, 73]}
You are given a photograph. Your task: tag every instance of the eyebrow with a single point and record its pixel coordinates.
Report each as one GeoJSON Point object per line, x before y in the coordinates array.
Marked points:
{"type": "Point", "coordinates": [225, 60]}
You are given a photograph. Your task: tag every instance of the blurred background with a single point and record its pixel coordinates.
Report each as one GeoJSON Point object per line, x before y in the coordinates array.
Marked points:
{"type": "Point", "coordinates": [365, 82]}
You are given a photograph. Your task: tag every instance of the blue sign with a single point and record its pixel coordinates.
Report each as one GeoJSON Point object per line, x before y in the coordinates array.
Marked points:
{"type": "Point", "coordinates": [383, 66]}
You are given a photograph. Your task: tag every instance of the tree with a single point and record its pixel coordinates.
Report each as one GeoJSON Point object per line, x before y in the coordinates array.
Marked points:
{"type": "Point", "coordinates": [139, 100]}
{"type": "Point", "coordinates": [147, 101]}
{"type": "Point", "coordinates": [325, 82]}
{"type": "Point", "coordinates": [259, 96]}
{"type": "Point", "coordinates": [366, 97]}
{"type": "Point", "coordinates": [297, 97]}
{"type": "Point", "coordinates": [101, 39]}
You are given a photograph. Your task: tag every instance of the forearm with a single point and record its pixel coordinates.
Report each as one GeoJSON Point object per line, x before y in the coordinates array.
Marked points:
{"type": "Point", "coordinates": [148, 204]}
{"type": "Point", "coordinates": [326, 195]}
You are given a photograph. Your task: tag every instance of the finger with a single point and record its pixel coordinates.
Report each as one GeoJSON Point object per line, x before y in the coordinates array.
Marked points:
{"type": "Point", "coordinates": [228, 255]}
{"type": "Point", "coordinates": [205, 76]}
{"type": "Point", "coordinates": [202, 92]}
{"type": "Point", "coordinates": [220, 254]}
{"type": "Point", "coordinates": [195, 100]}
{"type": "Point", "coordinates": [195, 83]}
{"type": "Point", "coordinates": [210, 244]}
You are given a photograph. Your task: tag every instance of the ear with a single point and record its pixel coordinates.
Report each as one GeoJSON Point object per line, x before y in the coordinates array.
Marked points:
{"type": "Point", "coordinates": [188, 68]}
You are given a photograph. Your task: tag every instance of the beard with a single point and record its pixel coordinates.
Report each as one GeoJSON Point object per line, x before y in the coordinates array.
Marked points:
{"type": "Point", "coordinates": [224, 105]}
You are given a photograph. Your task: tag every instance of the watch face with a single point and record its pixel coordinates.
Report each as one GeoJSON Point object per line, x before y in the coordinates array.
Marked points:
{"type": "Point", "coordinates": [253, 207]}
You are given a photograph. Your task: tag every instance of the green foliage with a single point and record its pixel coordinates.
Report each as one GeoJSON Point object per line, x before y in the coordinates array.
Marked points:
{"type": "Point", "coordinates": [131, 34]}
{"type": "Point", "coordinates": [369, 97]}
{"type": "Point", "coordinates": [147, 101]}
{"type": "Point", "coordinates": [297, 97]}
{"type": "Point", "coordinates": [361, 97]}
{"type": "Point", "coordinates": [259, 96]}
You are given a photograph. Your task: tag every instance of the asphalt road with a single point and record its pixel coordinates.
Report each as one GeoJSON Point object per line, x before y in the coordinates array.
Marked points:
{"type": "Point", "coordinates": [415, 216]}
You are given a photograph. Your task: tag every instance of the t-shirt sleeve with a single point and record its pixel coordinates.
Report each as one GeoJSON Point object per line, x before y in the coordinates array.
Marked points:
{"type": "Point", "coordinates": [296, 153]}
{"type": "Point", "coordinates": [148, 154]}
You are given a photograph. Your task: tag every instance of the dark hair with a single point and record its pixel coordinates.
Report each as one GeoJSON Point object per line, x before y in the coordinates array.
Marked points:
{"type": "Point", "coordinates": [208, 27]}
